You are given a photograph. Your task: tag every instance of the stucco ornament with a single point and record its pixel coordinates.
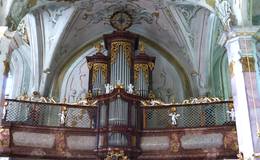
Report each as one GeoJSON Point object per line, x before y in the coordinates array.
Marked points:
{"type": "Point", "coordinates": [223, 9]}
{"type": "Point", "coordinates": [22, 31]}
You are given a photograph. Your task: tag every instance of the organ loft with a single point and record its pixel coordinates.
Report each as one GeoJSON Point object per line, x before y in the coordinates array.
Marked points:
{"type": "Point", "coordinates": [129, 79]}
{"type": "Point", "coordinates": [119, 81]}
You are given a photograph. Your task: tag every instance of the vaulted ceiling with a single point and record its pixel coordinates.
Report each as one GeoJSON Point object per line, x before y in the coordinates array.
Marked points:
{"type": "Point", "coordinates": [185, 30]}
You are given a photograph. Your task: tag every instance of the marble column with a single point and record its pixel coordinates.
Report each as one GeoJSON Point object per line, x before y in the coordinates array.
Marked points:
{"type": "Point", "coordinates": [242, 60]}
{"type": "Point", "coordinates": [4, 66]}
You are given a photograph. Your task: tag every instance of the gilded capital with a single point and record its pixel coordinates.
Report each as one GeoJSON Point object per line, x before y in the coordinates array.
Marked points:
{"type": "Point", "coordinates": [6, 67]}
{"type": "Point", "coordinates": [248, 63]}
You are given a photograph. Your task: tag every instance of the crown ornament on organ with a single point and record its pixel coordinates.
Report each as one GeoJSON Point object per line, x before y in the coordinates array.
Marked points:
{"type": "Point", "coordinates": [99, 47]}
{"type": "Point", "coordinates": [141, 47]}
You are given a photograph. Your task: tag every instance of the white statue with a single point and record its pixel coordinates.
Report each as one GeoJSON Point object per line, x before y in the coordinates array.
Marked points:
{"type": "Point", "coordinates": [174, 116]}
{"type": "Point", "coordinates": [62, 117]}
{"type": "Point", "coordinates": [223, 9]}
{"type": "Point", "coordinates": [130, 89]}
{"type": "Point", "coordinates": [231, 114]}
{"type": "Point", "coordinates": [108, 88]}
{"type": "Point", "coordinates": [4, 112]}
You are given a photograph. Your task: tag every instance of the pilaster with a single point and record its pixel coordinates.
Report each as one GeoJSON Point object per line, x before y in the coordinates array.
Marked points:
{"type": "Point", "coordinates": [244, 74]}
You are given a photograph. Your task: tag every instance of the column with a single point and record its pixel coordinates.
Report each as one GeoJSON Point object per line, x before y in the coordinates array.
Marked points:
{"type": "Point", "coordinates": [242, 61]}
{"type": "Point", "coordinates": [4, 66]}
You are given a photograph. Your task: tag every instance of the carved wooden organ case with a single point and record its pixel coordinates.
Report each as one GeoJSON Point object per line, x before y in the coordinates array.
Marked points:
{"type": "Point", "coordinates": [119, 118]}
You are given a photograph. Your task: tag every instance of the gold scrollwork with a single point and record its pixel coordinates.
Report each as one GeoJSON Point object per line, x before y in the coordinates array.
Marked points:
{"type": "Point", "coordinates": [174, 143]}
{"type": "Point", "coordinates": [90, 65]}
{"type": "Point", "coordinates": [151, 65]}
{"type": "Point", "coordinates": [248, 63]}
{"type": "Point", "coordinates": [4, 137]}
{"type": "Point", "coordinates": [144, 68]}
{"type": "Point", "coordinates": [60, 143]}
{"type": "Point", "coordinates": [96, 67]}
{"type": "Point", "coordinates": [126, 46]}
{"type": "Point", "coordinates": [230, 141]}
{"type": "Point", "coordinates": [116, 155]}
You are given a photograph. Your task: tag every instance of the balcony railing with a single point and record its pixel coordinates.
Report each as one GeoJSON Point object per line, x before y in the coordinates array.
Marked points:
{"type": "Point", "coordinates": [49, 114]}
{"type": "Point", "coordinates": [154, 117]}
{"type": "Point", "coordinates": [188, 115]}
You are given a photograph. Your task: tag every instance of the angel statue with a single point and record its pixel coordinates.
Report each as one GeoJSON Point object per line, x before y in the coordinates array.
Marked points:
{"type": "Point", "coordinates": [231, 114]}
{"type": "Point", "coordinates": [130, 89]}
{"type": "Point", "coordinates": [107, 87]}
{"type": "Point", "coordinates": [174, 116]}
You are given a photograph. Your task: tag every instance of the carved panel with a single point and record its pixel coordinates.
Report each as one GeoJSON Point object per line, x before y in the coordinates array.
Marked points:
{"type": "Point", "coordinates": [81, 142]}
{"type": "Point", "coordinates": [33, 139]}
{"type": "Point", "coordinates": [155, 143]}
{"type": "Point", "coordinates": [201, 141]}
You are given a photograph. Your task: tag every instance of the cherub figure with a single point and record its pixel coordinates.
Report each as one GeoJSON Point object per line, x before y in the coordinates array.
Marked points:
{"type": "Point", "coordinates": [62, 117]}
{"type": "Point", "coordinates": [130, 89]}
{"type": "Point", "coordinates": [107, 88]}
{"type": "Point", "coordinates": [231, 114]}
{"type": "Point", "coordinates": [174, 116]}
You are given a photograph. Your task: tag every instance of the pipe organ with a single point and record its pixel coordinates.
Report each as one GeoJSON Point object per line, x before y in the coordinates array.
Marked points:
{"type": "Point", "coordinates": [119, 81]}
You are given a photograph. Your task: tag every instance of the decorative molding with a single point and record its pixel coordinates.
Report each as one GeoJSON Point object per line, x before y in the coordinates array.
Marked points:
{"type": "Point", "coordinates": [200, 100]}
{"type": "Point", "coordinates": [21, 29]}
{"type": "Point", "coordinates": [230, 141]}
{"type": "Point", "coordinates": [224, 12]}
{"type": "Point", "coordinates": [174, 143]}
{"type": "Point", "coordinates": [188, 12]}
{"type": "Point", "coordinates": [55, 14]}
{"type": "Point", "coordinates": [4, 137]}
{"type": "Point", "coordinates": [138, 13]}
{"type": "Point", "coordinates": [115, 46]}
{"type": "Point", "coordinates": [96, 67]}
{"type": "Point", "coordinates": [248, 63]}
{"type": "Point", "coordinates": [60, 143]}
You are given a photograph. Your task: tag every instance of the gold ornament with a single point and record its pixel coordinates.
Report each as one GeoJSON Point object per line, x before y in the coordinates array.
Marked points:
{"type": "Point", "coordinates": [144, 68]}
{"type": "Point", "coordinates": [99, 66]}
{"type": "Point", "coordinates": [126, 46]}
{"type": "Point", "coordinates": [230, 141]}
{"type": "Point", "coordinates": [99, 47]}
{"type": "Point", "coordinates": [141, 47]}
{"type": "Point", "coordinates": [248, 63]}
{"type": "Point", "coordinates": [174, 143]}
{"type": "Point", "coordinates": [6, 67]}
